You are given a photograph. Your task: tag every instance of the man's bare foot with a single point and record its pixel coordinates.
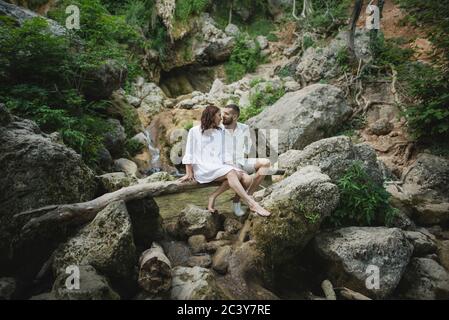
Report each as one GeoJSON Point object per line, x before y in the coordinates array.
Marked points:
{"type": "Point", "coordinates": [258, 209]}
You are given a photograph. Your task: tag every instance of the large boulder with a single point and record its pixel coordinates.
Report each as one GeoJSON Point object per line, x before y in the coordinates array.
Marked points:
{"type": "Point", "coordinates": [195, 221]}
{"type": "Point", "coordinates": [195, 284]}
{"type": "Point", "coordinates": [110, 182]}
{"type": "Point", "coordinates": [115, 138]}
{"type": "Point", "coordinates": [298, 205]}
{"type": "Point", "coordinates": [101, 81]}
{"type": "Point", "coordinates": [7, 288]}
{"type": "Point", "coordinates": [35, 172]}
{"type": "Point", "coordinates": [92, 286]}
{"type": "Point", "coordinates": [322, 63]}
{"type": "Point", "coordinates": [424, 279]}
{"type": "Point", "coordinates": [348, 254]}
{"type": "Point", "coordinates": [304, 116]}
{"type": "Point", "coordinates": [425, 191]}
{"type": "Point", "coordinates": [146, 221]}
{"type": "Point", "coordinates": [106, 244]}
{"type": "Point", "coordinates": [20, 15]}
{"type": "Point", "coordinates": [127, 166]}
{"type": "Point", "coordinates": [333, 156]}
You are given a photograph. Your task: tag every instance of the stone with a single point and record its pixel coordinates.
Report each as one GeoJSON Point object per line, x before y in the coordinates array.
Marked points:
{"type": "Point", "coordinates": [443, 253]}
{"type": "Point", "coordinates": [195, 283]}
{"type": "Point", "coordinates": [92, 286]}
{"type": "Point", "coordinates": [232, 226]}
{"type": "Point", "coordinates": [178, 252]}
{"type": "Point", "coordinates": [195, 220]}
{"type": "Point", "coordinates": [106, 244]}
{"type": "Point", "coordinates": [298, 204]}
{"type": "Point", "coordinates": [104, 79]}
{"type": "Point", "coordinates": [203, 261]}
{"type": "Point", "coordinates": [126, 166]}
{"type": "Point", "coordinates": [424, 279]}
{"type": "Point", "coordinates": [422, 244]}
{"type": "Point", "coordinates": [232, 30]}
{"type": "Point", "coordinates": [7, 288]}
{"type": "Point", "coordinates": [35, 172]}
{"type": "Point", "coordinates": [197, 243]}
{"type": "Point", "coordinates": [333, 156]}
{"type": "Point", "coordinates": [347, 254]}
{"type": "Point", "coordinates": [114, 181]}
{"type": "Point", "coordinates": [115, 138]}
{"type": "Point", "coordinates": [381, 127]}
{"type": "Point", "coordinates": [220, 259]}
{"type": "Point", "coordinates": [424, 194]}
{"type": "Point", "coordinates": [262, 41]}
{"type": "Point", "coordinates": [307, 115]}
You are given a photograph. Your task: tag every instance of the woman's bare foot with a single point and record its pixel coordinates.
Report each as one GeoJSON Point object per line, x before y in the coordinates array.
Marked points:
{"type": "Point", "coordinates": [211, 204]}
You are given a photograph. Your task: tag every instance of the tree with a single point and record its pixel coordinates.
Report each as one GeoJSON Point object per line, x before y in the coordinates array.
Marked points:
{"type": "Point", "coordinates": [307, 8]}
{"type": "Point", "coordinates": [353, 23]}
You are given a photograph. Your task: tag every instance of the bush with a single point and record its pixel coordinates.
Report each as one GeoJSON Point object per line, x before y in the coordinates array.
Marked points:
{"type": "Point", "coordinates": [185, 8]}
{"type": "Point", "coordinates": [133, 147]}
{"type": "Point", "coordinates": [244, 59]}
{"type": "Point", "coordinates": [260, 100]}
{"type": "Point", "coordinates": [362, 201]}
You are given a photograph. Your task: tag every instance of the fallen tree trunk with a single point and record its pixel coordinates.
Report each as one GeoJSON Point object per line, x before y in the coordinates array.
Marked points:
{"type": "Point", "coordinates": [350, 294]}
{"type": "Point", "coordinates": [79, 213]}
{"type": "Point", "coordinates": [328, 290]}
{"type": "Point", "coordinates": [154, 270]}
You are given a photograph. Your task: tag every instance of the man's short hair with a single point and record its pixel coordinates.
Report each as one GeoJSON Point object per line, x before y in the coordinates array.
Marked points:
{"type": "Point", "coordinates": [234, 107]}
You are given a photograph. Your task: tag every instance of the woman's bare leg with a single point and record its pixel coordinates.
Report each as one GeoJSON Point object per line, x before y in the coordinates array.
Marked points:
{"type": "Point", "coordinates": [211, 205]}
{"type": "Point", "coordinates": [235, 184]}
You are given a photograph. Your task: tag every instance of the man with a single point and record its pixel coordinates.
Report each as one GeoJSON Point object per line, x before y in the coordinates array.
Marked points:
{"type": "Point", "coordinates": [238, 146]}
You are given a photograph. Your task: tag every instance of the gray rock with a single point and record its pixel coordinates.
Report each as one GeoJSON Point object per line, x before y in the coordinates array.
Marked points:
{"type": "Point", "coordinates": [381, 127]}
{"type": "Point", "coordinates": [307, 115]}
{"type": "Point", "coordinates": [21, 15]}
{"type": "Point", "coordinates": [262, 41]}
{"type": "Point", "coordinates": [422, 244]}
{"type": "Point", "coordinates": [195, 284]}
{"type": "Point", "coordinates": [347, 253]}
{"type": "Point", "coordinates": [115, 138]}
{"type": "Point", "coordinates": [146, 221]}
{"type": "Point", "coordinates": [7, 288]}
{"type": "Point", "coordinates": [197, 243]}
{"type": "Point", "coordinates": [5, 115]}
{"type": "Point", "coordinates": [35, 172]}
{"type": "Point", "coordinates": [104, 159]}
{"type": "Point", "coordinates": [106, 244]}
{"type": "Point", "coordinates": [220, 260]}
{"type": "Point", "coordinates": [321, 63]}
{"type": "Point", "coordinates": [333, 156]}
{"type": "Point", "coordinates": [177, 252]}
{"type": "Point", "coordinates": [92, 286]}
{"type": "Point", "coordinates": [232, 226]}
{"type": "Point", "coordinates": [114, 181]}
{"type": "Point", "coordinates": [203, 261]}
{"type": "Point", "coordinates": [158, 176]}
{"type": "Point", "coordinates": [298, 205]}
{"type": "Point", "coordinates": [425, 191]}
{"type": "Point", "coordinates": [232, 30]}
{"type": "Point", "coordinates": [194, 220]}
{"type": "Point", "coordinates": [127, 166]}
{"type": "Point", "coordinates": [424, 279]}
{"type": "Point", "coordinates": [443, 253]}
{"type": "Point", "coordinates": [105, 79]}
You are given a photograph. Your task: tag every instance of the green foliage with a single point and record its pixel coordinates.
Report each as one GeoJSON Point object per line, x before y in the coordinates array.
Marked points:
{"type": "Point", "coordinates": [188, 126]}
{"type": "Point", "coordinates": [362, 201]}
{"type": "Point", "coordinates": [133, 147]}
{"type": "Point", "coordinates": [185, 8]}
{"type": "Point", "coordinates": [343, 60]}
{"type": "Point", "coordinates": [307, 42]}
{"type": "Point", "coordinates": [261, 99]}
{"type": "Point", "coordinates": [327, 16]}
{"type": "Point", "coordinates": [244, 59]}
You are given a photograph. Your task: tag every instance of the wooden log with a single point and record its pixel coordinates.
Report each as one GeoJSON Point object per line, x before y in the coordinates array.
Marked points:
{"type": "Point", "coordinates": [351, 295]}
{"type": "Point", "coordinates": [80, 213]}
{"type": "Point", "coordinates": [154, 270]}
{"type": "Point", "coordinates": [328, 290]}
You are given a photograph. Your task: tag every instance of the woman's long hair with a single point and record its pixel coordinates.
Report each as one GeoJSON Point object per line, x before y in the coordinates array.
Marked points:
{"type": "Point", "coordinates": [207, 118]}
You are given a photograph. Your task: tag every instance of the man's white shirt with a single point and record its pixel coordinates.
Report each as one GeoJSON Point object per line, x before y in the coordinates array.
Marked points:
{"type": "Point", "coordinates": [238, 144]}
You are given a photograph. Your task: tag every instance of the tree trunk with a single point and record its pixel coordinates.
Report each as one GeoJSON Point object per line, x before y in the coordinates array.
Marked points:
{"type": "Point", "coordinates": [307, 8]}
{"type": "Point", "coordinates": [354, 18]}
{"type": "Point", "coordinates": [154, 270]}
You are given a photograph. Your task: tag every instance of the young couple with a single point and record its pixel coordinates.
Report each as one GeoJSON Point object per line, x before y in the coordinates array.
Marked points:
{"type": "Point", "coordinates": [215, 151]}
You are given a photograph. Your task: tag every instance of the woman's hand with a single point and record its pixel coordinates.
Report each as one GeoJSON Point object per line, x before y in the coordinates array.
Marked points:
{"type": "Point", "coordinates": [189, 174]}
{"type": "Point", "coordinates": [186, 178]}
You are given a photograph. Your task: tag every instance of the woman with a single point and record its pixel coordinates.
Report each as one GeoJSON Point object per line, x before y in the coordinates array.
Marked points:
{"type": "Point", "coordinates": [206, 160]}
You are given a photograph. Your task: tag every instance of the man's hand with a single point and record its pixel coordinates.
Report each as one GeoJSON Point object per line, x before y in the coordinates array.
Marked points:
{"type": "Point", "coordinates": [186, 178]}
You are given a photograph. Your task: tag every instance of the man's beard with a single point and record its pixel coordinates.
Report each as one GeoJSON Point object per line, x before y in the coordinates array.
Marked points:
{"type": "Point", "coordinates": [227, 121]}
